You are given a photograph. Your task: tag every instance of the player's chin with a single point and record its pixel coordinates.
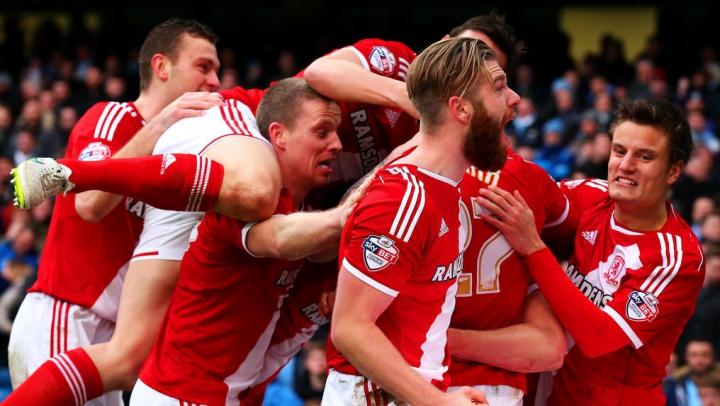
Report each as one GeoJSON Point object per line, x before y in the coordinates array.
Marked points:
{"type": "Point", "coordinates": [321, 180]}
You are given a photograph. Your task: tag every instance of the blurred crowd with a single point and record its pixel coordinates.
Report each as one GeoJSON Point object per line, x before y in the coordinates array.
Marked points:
{"type": "Point", "coordinates": [561, 126]}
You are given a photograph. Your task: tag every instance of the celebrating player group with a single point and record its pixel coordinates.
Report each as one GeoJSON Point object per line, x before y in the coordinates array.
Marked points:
{"type": "Point", "coordinates": [194, 229]}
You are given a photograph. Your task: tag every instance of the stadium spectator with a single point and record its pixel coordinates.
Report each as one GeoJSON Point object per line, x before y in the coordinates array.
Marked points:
{"type": "Point", "coordinates": [696, 180]}
{"type": "Point", "coordinates": [702, 206]}
{"type": "Point", "coordinates": [554, 156]}
{"type": "Point", "coordinates": [525, 127]}
{"type": "Point", "coordinates": [710, 228]}
{"type": "Point", "coordinates": [310, 383]}
{"type": "Point", "coordinates": [709, 389]}
{"type": "Point", "coordinates": [682, 390]}
{"type": "Point", "coordinates": [700, 132]}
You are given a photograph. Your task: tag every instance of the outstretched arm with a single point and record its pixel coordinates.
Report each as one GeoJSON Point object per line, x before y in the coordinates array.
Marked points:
{"type": "Point", "coordinates": [342, 76]}
{"type": "Point", "coordinates": [299, 235]}
{"type": "Point", "coordinates": [594, 330]}
{"type": "Point", "coordinates": [535, 345]}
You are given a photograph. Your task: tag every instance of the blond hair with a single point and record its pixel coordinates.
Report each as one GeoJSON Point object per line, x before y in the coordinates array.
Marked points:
{"type": "Point", "coordinates": [445, 69]}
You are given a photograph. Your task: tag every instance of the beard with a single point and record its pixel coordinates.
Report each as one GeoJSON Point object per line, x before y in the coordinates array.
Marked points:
{"type": "Point", "coordinates": [483, 144]}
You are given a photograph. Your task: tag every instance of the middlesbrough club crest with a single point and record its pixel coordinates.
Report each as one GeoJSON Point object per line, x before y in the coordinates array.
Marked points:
{"type": "Point", "coordinates": [641, 306]}
{"type": "Point", "coordinates": [382, 60]}
{"type": "Point", "coordinates": [613, 275]}
{"type": "Point", "coordinates": [379, 252]}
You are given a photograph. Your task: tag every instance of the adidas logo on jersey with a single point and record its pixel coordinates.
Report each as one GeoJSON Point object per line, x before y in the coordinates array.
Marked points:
{"type": "Point", "coordinates": [392, 117]}
{"type": "Point", "coordinates": [443, 228]}
{"type": "Point", "coordinates": [590, 236]}
{"type": "Point", "coordinates": [168, 160]}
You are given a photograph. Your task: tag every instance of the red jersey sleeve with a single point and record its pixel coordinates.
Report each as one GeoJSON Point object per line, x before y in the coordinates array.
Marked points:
{"type": "Point", "coordinates": [584, 193]}
{"type": "Point", "coordinates": [372, 253]}
{"type": "Point", "coordinates": [561, 218]}
{"type": "Point", "coordinates": [103, 130]}
{"type": "Point", "coordinates": [656, 297]}
{"type": "Point", "coordinates": [386, 58]}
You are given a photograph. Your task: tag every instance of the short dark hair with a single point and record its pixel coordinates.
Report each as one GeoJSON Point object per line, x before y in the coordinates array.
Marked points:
{"type": "Point", "coordinates": [494, 26]}
{"type": "Point", "coordinates": [661, 115]}
{"type": "Point", "coordinates": [281, 103]}
{"type": "Point", "coordinates": [165, 39]}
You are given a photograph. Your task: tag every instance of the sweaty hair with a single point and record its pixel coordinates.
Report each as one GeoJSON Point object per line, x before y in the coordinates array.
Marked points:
{"type": "Point", "coordinates": [281, 104]}
{"type": "Point", "coordinates": [165, 39]}
{"type": "Point", "coordinates": [494, 26]}
{"type": "Point", "coordinates": [445, 69]}
{"type": "Point", "coordinates": [663, 116]}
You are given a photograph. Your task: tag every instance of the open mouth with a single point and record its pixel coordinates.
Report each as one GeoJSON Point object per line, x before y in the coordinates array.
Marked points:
{"type": "Point", "coordinates": [626, 181]}
{"type": "Point", "coordinates": [326, 165]}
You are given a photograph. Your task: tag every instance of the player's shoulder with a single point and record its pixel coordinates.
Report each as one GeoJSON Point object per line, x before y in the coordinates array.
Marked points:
{"type": "Point", "coordinates": [248, 97]}
{"type": "Point", "coordinates": [107, 122]}
{"type": "Point", "coordinates": [678, 233]}
{"type": "Point", "coordinates": [104, 114]}
{"type": "Point", "coordinates": [394, 46]}
{"type": "Point", "coordinates": [586, 193]}
{"type": "Point", "coordinates": [386, 58]}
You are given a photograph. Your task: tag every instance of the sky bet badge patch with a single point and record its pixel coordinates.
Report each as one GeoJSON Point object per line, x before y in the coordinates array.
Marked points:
{"type": "Point", "coordinates": [379, 252]}
{"type": "Point", "coordinates": [95, 151]}
{"type": "Point", "coordinates": [641, 306]}
{"type": "Point", "coordinates": [382, 60]}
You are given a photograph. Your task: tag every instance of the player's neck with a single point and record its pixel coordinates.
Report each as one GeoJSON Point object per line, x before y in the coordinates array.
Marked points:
{"type": "Point", "coordinates": [641, 218]}
{"type": "Point", "coordinates": [438, 154]}
{"type": "Point", "coordinates": [296, 186]}
{"type": "Point", "coordinates": [150, 104]}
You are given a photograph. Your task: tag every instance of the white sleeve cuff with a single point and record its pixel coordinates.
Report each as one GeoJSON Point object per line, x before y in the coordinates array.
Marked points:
{"type": "Point", "coordinates": [637, 343]}
{"type": "Point", "coordinates": [375, 284]}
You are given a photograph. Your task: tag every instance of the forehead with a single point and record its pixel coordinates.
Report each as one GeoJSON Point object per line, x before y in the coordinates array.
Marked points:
{"type": "Point", "coordinates": [633, 135]}
{"type": "Point", "coordinates": [197, 47]}
{"type": "Point", "coordinates": [318, 111]}
{"type": "Point", "coordinates": [494, 70]}
{"type": "Point", "coordinates": [699, 346]}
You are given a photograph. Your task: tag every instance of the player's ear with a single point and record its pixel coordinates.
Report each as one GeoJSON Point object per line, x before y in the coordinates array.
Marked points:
{"type": "Point", "coordinates": [160, 66]}
{"type": "Point", "coordinates": [460, 109]}
{"type": "Point", "coordinates": [278, 135]}
{"type": "Point", "coordinates": [445, 37]}
{"type": "Point", "coordinates": [675, 171]}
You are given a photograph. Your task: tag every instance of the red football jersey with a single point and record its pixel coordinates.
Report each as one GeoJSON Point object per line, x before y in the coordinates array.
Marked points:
{"type": "Point", "coordinates": [84, 263]}
{"type": "Point", "coordinates": [492, 288]}
{"type": "Point", "coordinates": [646, 282]}
{"type": "Point", "coordinates": [221, 316]}
{"type": "Point", "coordinates": [299, 320]}
{"type": "Point", "coordinates": [404, 240]}
{"type": "Point", "coordinates": [369, 132]}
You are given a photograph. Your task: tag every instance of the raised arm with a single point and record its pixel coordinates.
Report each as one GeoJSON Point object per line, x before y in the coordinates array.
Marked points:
{"type": "Point", "coordinates": [343, 76]}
